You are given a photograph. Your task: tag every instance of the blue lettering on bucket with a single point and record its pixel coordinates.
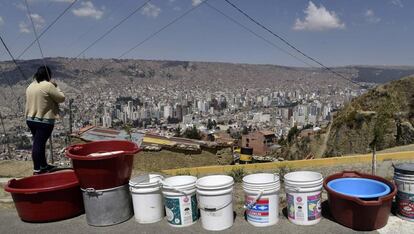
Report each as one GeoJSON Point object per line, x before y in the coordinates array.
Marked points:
{"type": "Point", "coordinates": [259, 213]}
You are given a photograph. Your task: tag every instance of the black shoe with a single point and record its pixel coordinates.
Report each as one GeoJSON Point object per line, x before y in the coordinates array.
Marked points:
{"type": "Point", "coordinates": [47, 169]}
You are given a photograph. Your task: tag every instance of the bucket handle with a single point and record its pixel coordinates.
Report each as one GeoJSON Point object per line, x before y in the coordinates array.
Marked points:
{"type": "Point", "coordinates": [213, 209]}
{"type": "Point", "coordinates": [170, 187]}
{"type": "Point", "coordinates": [250, 205]}
{"type": "Point", "coordinates": [90, 191]}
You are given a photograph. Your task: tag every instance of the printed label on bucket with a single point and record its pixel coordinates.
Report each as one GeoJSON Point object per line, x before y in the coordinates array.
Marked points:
{"type": "Point", "coordinates": [290, 206]}
{"type": "Point", "coordinates": [259, 213]}
{"type": "Point", "coordinates": [296, 207]}
{"type": "Point", "coordinates": [314, 207]}
{"type": "Point", "coordinates": [181, 211]}
{"type": "Point", "coordinates": [405, 202]}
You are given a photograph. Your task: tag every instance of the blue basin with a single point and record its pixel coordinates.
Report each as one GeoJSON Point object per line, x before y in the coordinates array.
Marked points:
{"type": "Point", "coordinates": [359, 187]}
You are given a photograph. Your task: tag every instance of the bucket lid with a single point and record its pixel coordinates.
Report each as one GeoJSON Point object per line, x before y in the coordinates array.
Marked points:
{"type": "Point", "coordinates": [302, 177]}
{"type": "Point", "coordinates": [179, 181]}
{"type": "Point", "coordinates": [261, 178]}
{"type": "Point", "coordinates": [145, 180]}
{"type": "Point", "coordinates": [214, 182]}
{"type": "Point", "coordinates": [404, 168]}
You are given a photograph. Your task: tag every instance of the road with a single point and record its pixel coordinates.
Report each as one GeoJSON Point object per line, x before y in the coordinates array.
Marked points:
{"type": "Point", "coordinates": [10, 223]}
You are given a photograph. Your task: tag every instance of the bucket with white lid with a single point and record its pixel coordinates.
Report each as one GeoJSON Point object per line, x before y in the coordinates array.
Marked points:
{"type": "Point", "coordinates": [404, 179]}
{"type": "Point", "coordinates": [262, 198]}
{"type": "Point", "coordinates": [147, 198]}
{"type": "Point", "coordinates": [180, 200]}
{"type": "Point", "coordinates": [304, 197]}
{"type": "Point", "coordinates": [215, 200]}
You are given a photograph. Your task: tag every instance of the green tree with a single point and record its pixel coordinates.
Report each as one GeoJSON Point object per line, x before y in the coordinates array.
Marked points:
{"type": "Point", "coordinates": [177, 131]}
{"type": "Point", "coordinates": [192, 133]}
{"type": "Point", "coordinates": [293, 132]}
{"type": "Point", "coordinates": [209, 124]}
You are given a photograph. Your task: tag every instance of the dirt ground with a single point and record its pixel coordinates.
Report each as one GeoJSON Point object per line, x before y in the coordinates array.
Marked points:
{"type": "Point", "coordinates": [162, 160]}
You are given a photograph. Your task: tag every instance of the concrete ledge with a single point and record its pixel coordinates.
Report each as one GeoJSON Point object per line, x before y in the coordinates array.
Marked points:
{"type": "Point", "coordinates": [323, 162]}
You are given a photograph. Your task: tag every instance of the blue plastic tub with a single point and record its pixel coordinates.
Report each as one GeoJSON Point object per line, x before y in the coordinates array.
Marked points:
{"type": "Point", "coordinates": [359, 187]}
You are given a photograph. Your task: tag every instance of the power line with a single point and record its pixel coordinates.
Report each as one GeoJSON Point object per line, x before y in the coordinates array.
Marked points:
{"type": "Point", "coordinates": [37, 38]}
{"type": "Point", "coordinates": [288, 43]}
{"type": "Point", "coordinates": [93, 26]}
{"type": "Point", "coordinates": [112, 28]}
{"type": "Point", "coordinates": [12, 57]}
{"type": "Point", "coordinates": [6, 136]}
{"type": "Point", "coordinates": [46, 29]}
{"type": "Point", "coordinates": [259, 36]}
{"type": "Point", "coordinates": [161, 29]}
{"type": "Point", "coordinates": [18, 68]}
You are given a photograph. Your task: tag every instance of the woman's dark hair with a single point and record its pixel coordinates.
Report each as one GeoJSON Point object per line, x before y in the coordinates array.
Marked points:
{"type": "Point", "coordinates": [43, 73]}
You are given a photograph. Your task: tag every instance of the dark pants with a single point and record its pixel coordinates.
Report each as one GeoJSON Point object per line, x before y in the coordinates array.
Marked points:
{"type": "Point", "coordinates": [41, 132]}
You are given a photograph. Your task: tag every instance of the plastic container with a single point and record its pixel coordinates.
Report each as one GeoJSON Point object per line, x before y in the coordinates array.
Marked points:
{"type": "Point", "coordinates": [108, 206]}
{"type": "Point", "coordinates": [47, 197]}
{"type": "Point", "coordinates": [404, 178]}
{"type": "Point", "coordinates": [261, 199]}
{"type": "Point", "coordinates": [215, 200]}
{"type": "Point", "coordinates": [103, 172]}
{"type": "Point", "coordinates": [180, 200]}
{"type": "Point", "coordinates": [147, 198]}
{"type": "Point", "coordinates": [303, 195]}
{"type": "Point", "coordinates": [358, 213]}
{"type": "Point", "coordinates": [359, 187]}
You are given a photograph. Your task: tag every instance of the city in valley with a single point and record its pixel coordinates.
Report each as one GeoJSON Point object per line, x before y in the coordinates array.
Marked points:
{"type": "Point", "coordinates": [169, 98]}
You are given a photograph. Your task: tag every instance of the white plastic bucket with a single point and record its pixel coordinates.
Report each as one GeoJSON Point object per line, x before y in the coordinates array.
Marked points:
{"type": "Point", "coordinates": [304, 197]}
{"type": "Point", "coordinates": [180, 200]}
{"type": "Point", "coordinates": [404, 179]}
{"type": "Point", "coordinates": [215, 200]}
{"type": "Point", "coordinates": [147, 198]}
{"type": "Point", "coordinates": [262, 199]}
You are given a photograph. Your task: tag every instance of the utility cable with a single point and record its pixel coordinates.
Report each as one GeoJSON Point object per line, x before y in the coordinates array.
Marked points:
{"type": "Point", "coordinates": [93, 26]}
{"type": "Point", "coordinates": [18, 68]}
{"type": "Point", "coordinates": [46, 29]}
{"type": "Point", "coordinates": [111, 29]}
{"type": "Point", "coordinates": [259, 36]}
{"type": "Point", "coordinates": [37, 38]}
{"type": "Point", "coordinates": [161, 29]}
{"type": "Point", "coordinates": [288, 43]}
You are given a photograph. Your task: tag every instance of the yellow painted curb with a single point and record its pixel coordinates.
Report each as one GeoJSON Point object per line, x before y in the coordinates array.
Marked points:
{"type": "Point", "coordinates": [322, 162]}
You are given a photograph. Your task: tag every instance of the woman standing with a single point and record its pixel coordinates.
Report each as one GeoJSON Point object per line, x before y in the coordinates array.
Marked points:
{"type": "Point", "coordinates": [42, 99]}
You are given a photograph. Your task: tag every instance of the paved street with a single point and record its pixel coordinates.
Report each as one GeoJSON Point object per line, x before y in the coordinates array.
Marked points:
{"type": "Point", "coordinates": [10, 223]}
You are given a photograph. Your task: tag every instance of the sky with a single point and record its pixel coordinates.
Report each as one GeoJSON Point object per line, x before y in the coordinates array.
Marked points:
{"type": "Point", "coordinates": [336, 33]}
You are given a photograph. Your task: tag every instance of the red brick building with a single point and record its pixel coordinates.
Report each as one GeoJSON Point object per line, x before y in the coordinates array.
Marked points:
{"type": "Point", "coordinates": [260, 141]}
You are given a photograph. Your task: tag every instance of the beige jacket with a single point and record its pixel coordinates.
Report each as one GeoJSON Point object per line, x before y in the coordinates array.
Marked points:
{"type": "Point", "coordinates": [42, 100]}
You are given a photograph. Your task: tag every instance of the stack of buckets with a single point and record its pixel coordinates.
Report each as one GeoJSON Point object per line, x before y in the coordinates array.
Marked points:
{"type": "Point", "coordinates": [103, 169]}
{"type": "Point", "coordinates": [404, 179]}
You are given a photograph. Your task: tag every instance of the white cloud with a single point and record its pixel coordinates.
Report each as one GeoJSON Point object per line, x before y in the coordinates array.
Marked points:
{"type": "Point", "coordinates": [318, 19]}
{"type": "Point", "coordinates": [68, 1]}
{"type": "Point", "coordinates": [371, 17]}
{"type": "Point", "coordinates": [196, 2]}
{"type": "Point", "coordinates": [87, 9]}
{"type": "Point", "coordinates": [397, 3]}
{"type": "Point", "coordinates": [151, 10]}
{"type": "Point", "coordinates": [177, 8]}
{"type": "Point", "coordinates": [20, 6]}
{"type": "Point", "coordinates": [1, 21]}
{"type": "Point", "coordinates": [38, 20]}
{"type": "Point", "coordinates": [24, 28]}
